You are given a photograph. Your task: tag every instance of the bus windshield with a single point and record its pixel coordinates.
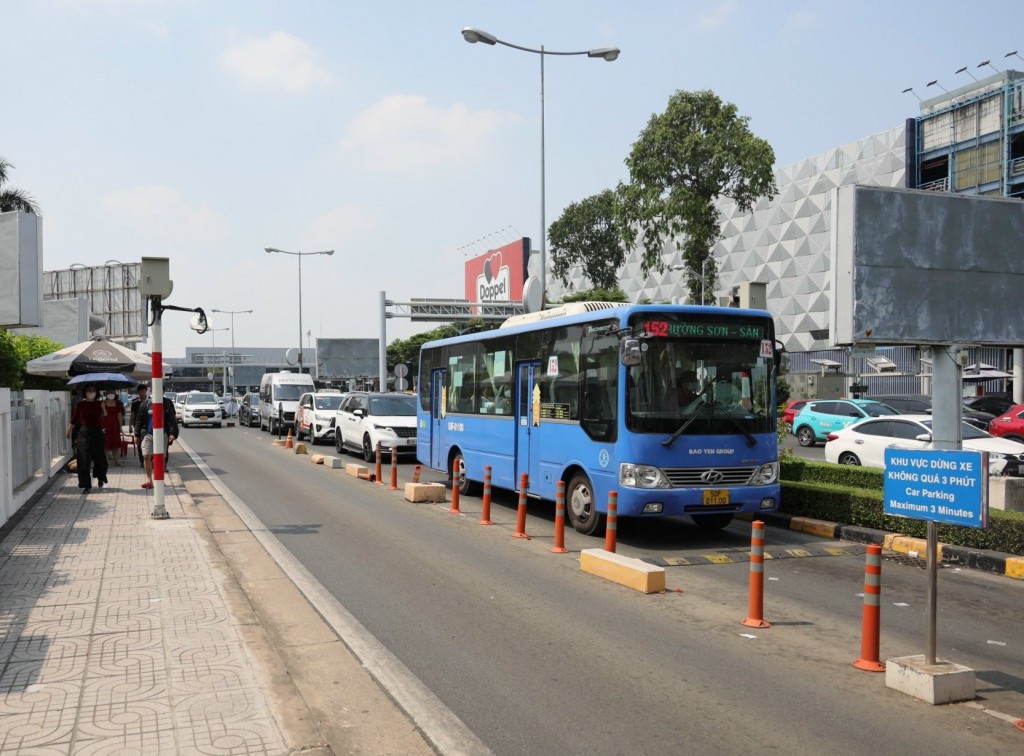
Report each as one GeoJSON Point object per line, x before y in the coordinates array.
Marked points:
{"type": "Point", "coordinates": [713, 387]}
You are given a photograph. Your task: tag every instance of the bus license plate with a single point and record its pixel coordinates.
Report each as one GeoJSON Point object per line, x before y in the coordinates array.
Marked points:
{"type": "Point", "coordinates": [716, 498]}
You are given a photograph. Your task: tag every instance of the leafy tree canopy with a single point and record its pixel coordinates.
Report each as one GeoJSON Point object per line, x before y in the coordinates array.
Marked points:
{"type": "Point", "coordinates": [12, 199]}
{"type": "Point", "coordinates": [699, 149]}
{"type": "Point", "coordinates": [586, 235]}
{"type": "Point", "coordinates": [408, 350]}
{"type": "Point", "coordinates": [15, 352]}
{"type": "Point", "coordinates": [611, 294]}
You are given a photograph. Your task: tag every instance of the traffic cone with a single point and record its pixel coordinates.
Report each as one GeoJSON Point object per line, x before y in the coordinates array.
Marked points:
{"type": "Point", "coordinates": [288, 441]}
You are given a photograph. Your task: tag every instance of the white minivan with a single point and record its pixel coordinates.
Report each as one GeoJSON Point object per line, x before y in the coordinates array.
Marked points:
{"type": "Point", "coordinates": [279, 398]}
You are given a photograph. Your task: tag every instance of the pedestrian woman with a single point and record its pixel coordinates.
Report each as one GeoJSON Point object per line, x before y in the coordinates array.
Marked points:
{"type": "Point", "coordinates": [89, 452]}
{"type": "Point", "coordinates": [113, 419]}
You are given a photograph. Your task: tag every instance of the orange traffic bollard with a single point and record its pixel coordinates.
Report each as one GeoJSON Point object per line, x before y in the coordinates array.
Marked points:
{"type": "Point", "coordinates": [416, 473]}
{"type": "Point", "coordinates": [611, 530]}
{"type": "Point", "coordinates": [755, 608]}
{"type": "Point", "coordinates": [485, 515]}
{"type": "Point", "coordinates": [455, 493]}
{"type": "Point", "coordinates": [377, 471]}
{"type": "Point", "coordinates": [559, 547]}
{"type": "Point", "coordinates": [872, 615]}
{"type": "Point", "coordinates": [524, 484]}
{"type": "Point", "coordinates": [394, 470]}
{"type": "Point", "coordinates": [288, 444]}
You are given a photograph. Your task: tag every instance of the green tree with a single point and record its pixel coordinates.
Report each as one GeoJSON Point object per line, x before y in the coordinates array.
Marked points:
{"type": "Point", "coordinates": [407, 351]}
{"type": "Point", "coordinates": [14, 199]}
{"type": "Point", "coordinates": [611, 294]}
{"type": "Point", "coordinates": [699, 149]}
{"type": "Point", "coordinates": [587, 235]}
{"type": "Point", "coordinates": [15, 352]}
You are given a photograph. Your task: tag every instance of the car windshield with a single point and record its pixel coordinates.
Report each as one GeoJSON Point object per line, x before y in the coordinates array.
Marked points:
{"type": "Point", "coordinates": [969, 431]}
{"type": "Point", "coordinates": [254, 400]}
{"type": "Point", "coordinates": [878, 410]}
{"type": "Point", "coordinates": [331, 402]}
{"type": "Point", "coordinates": [290, 392]}
{"type": "Point", "coordinates": [399, 404]}
{"type": "Point", "coordinates": [200, 399]}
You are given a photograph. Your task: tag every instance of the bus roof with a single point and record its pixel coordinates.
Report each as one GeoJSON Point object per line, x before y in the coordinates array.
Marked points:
{"type": "Point", "coordinates": [619, 311]}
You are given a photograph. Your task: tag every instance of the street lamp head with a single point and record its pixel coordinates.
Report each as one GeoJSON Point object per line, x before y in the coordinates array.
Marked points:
{"type": "Point", "coordinates": [327, 252]}
{"type": "Point", "coordinates": [608, 53]}
{"type": "Point", "coordinates": [271, 249]}
{"type": "Point", "coordinates": [473, 35]}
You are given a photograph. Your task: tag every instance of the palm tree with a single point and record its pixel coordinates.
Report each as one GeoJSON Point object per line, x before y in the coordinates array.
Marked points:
{"type": "Point", "coordinates": [14, 199]}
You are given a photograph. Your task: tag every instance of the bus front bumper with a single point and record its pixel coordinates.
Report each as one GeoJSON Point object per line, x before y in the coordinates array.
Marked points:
{"type": "Point", "coordinates": [642, 502]}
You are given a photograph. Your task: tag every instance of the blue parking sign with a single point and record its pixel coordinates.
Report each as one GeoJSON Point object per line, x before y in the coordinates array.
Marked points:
{"type": "Point", "coordinates": [942, 486]}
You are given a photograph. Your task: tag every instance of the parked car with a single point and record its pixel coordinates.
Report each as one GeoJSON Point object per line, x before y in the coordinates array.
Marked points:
{"type": "Point", "coordinates": [919, 404]}
{"type": "Point", "coordinates": [817, 419]}
{"type": "Point", "coordinates": [249, 410]}
{"type": "Point", "coordinates": [316, 414]}
{"type": "Point", "coordinates": [864, 443]}
{"type": "Point", "coordinates": [364, 419]}
{"type": "Point", "coordinates": [1010, 424]}
{"type": "Point", "coordinates": [793, 406]}
{"type": "Point", "coordinates": [995, 404]}
{"type": "Point", "coordinates": [200, 408]}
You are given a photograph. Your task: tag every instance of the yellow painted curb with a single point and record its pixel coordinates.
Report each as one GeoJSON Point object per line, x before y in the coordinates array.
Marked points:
{"type": "Point", "coordinates": [820, 528]}
{"type": "Point", "coordinates": [915, 547]}
{"type": "Point", "coordinates": [1015, 567]}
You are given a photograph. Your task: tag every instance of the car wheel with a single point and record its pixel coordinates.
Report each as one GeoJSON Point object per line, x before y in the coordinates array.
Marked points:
{"type": "Point", "coordinates": [368, 452]}
{"type": "Point", "coordinates": [579, 505]}
{"type": "Point", "coordinates": [848, 458]}
{"type": "Point", "coordinates": [805, 436]}
{"type": "Point", "coordinates": [467, 487]}
{"type": "Point", "coordinates": [312, 436]}
{"type": "Point", "coordinates": [217, 425]}
{"type": "Point", "coordinates": [338, 445]}
{"type": "Point", "coordinates": [712, 521]}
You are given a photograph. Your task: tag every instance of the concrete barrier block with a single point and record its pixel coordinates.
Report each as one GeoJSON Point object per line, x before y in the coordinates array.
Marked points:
{"type": "Point", "coordinates": [300, 448]}
{"type": "Point", "coordinates": [333, 462]}
{"type": "Point", "coordinates": [939, 683]}
{"type": "Point", "coordinates": [1006, 494]}
{"type": "Point", "coordinates": [316, 459]}
{"type": "Point", "coordinates": [278, 442]}
{"type": "Point", "coordinates": [632, 573]}
{"type": "Point", "coordinates": [355, 469]}
{"type": "Point", "coordinates": [425, 492]}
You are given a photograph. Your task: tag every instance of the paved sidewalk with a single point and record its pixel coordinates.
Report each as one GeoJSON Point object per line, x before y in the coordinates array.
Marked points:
{"type": "Point", "coordinates": [117, 634]}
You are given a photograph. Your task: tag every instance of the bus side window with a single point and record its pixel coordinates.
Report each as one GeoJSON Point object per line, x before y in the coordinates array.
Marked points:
{"type": "Point", "coordinates": [599, 378]}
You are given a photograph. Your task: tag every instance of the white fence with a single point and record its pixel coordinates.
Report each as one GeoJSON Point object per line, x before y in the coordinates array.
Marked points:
{"type": "Point", "coordinates": [33, 446]}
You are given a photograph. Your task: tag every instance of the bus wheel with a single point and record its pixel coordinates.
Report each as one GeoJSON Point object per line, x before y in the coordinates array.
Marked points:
{"type": "Point", "coordinates": [712, 522]}
{"type": "Point", "coordinates": [579, 500]}
{"type": "Point", "coordinates": [467, 487]}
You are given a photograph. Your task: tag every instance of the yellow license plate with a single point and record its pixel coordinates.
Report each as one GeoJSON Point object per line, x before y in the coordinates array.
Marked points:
{"type": "Point", "coordinates": [716, 498]}
{"type": "Point", "coordinates": [202, 417]}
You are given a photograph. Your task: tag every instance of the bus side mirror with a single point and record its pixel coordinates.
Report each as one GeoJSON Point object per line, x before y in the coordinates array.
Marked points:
{"type": "Point", "coordinates": [629, 352]}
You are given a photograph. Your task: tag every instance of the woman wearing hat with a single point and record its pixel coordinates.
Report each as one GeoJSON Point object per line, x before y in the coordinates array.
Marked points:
{"type": "Point", "coordinates": [88, 415]}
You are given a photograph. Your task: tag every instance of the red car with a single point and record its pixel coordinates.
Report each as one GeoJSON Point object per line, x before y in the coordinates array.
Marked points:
{"type": "Point", "coordinates": [1010, 424]}
{"type": "Point", "coordinates": [793, 406]}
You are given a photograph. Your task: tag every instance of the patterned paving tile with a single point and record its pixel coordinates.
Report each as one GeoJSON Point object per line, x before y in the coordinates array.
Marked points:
{"type": "Point", "coordinates": [60, 620]}
{"type": "Point", "coordinates": [120, 617]}
{"type": "Point", "coordinates": [201, 611]}
{"type": "Point", "coordinates": [22, 675]}
{"type": "Point", "coordinates": [129, 743]}
{"type": "Point", "coordinates": [251, 737]}
{"type": "Point", "coordinates": [70, 592]}
{"type": "Point", "coordinates": [128, 656]}
{"type": "Point", "coordinates": [42, 715]}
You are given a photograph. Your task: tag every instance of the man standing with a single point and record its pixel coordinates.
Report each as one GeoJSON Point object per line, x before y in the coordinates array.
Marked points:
{"type": "Point", "coordinates": [132, 413]}
{"type": "Point", "coordinates": [143, 428]}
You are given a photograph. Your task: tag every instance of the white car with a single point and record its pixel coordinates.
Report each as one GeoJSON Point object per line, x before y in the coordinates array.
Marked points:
{"type": "Point", "coordinates": [200, 408]}
{"type": "Point", "coordinates": [364, 419]}
{"type": "Point", "coordinates": [315, 416]}
{"type": "Point", "coordinates": [864, 443]}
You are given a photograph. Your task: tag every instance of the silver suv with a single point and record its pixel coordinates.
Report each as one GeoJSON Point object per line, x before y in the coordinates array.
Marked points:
{"type": "Point", "coordinates": [201, 408]}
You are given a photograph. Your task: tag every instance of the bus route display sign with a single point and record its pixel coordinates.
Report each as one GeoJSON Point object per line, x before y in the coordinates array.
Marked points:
{"type": "Point", "coordinates": [942, 486]}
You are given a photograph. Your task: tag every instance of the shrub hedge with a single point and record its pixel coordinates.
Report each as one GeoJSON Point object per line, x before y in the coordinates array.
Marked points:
{"type": "Point", "coordinates": [853, 496]}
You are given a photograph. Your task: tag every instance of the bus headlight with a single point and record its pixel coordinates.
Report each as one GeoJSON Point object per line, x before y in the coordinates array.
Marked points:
{"type": "Point", "coordinates": [765, 475]}
{"type": "Point", "coordinates": [641, 476]}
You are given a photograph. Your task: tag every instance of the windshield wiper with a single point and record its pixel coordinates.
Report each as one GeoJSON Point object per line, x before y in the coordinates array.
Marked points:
{"type": "Point", "coordinates": [751, 441]}
{"type": "Point", "coordinates": [700, 410]}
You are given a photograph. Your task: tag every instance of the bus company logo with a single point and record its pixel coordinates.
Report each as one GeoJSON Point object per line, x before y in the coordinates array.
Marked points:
{"type": "Point", "coordinates": [603, 458]}
{"type": "Point", "coordinates": [495, 283]}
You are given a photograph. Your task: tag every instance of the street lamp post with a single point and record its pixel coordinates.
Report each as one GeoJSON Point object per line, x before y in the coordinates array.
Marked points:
{"type": "Point", "coordinates": [702, 276]}
{"type": "Point", "coordinates": [299, 255]}
{"type": "Point", "coordinates": [232, 313]}
{"type": "Point", "coordinates": [213, 333]}
{"type": "Point", "coordinates": [474, 35]}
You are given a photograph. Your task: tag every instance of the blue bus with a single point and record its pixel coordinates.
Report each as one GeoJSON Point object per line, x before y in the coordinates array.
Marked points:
{"type": "Point", "coordinates": [671, 406]}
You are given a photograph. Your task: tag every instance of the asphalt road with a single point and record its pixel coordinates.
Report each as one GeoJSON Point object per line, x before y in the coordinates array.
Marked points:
{"type": "Point", "coordinates": [537, 657]}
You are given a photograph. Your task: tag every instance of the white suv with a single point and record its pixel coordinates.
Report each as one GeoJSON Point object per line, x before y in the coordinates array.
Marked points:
{"type": "Point", "coordinates": [200, 408]}
{"type": "Point", "coordinates": [315, 415]}
{"type": "Point", "coordinates": [364, 419]}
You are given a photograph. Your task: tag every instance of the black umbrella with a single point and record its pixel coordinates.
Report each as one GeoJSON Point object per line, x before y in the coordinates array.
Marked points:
{"type": "Point", "coordinates": [93, 356]}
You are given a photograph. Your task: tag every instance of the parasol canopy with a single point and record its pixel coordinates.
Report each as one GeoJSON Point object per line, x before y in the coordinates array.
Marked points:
{"type": "Point", "coordinates": [103, 381]}
{"type": "Point", "coordinates": [93, 356]}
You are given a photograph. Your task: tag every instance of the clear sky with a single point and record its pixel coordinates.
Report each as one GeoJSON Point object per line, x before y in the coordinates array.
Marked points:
{"type": "Point", "coordinates": [206, 130]}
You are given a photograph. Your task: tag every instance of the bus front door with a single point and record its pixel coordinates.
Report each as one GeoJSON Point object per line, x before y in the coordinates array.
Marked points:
{"type": "Point", "coordinates": [437, 413]}
{"type": "Point", "coordinates": [527, 420]}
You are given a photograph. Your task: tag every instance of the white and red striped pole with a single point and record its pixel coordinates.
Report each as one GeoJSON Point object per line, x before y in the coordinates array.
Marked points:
{"type": "Point", "coordinates": [159, 509]}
